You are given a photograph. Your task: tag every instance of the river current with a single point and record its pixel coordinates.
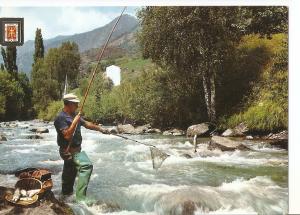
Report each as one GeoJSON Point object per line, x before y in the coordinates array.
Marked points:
{"type": "Point", "coordinates": [124, 182]}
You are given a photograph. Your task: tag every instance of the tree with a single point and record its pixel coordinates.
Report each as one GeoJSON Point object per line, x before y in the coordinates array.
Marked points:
{"type": "Point", "coordinates": [266, 20]}
{"type": "Point", "coordinates": [38, 45]}
{"type": "Point", "coordinates": [11, 97]}
{"type": "Point", "coordinates": [45, 86]}
{"type": "Point", "coordinates": [62, 61]}
{"type": "Point", "coordinates": [10, 60]}
{"type": "Point", "coordinates": [191, 40]}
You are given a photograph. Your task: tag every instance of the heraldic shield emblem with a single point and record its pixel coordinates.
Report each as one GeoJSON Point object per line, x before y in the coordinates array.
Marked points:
{"type": "Point", "coordinates": [11, 31]}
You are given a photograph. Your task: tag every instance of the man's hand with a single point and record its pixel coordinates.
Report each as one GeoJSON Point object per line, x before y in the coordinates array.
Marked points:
{"type": "Point", "coordinates": [76, 118]}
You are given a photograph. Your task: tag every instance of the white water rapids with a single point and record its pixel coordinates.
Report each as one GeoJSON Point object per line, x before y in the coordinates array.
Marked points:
{"type": "Point", "coordinates": [123, 181]}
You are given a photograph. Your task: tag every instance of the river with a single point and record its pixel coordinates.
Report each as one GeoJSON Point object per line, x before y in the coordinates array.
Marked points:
{"type": "Point", "coordinates": [123, 181]}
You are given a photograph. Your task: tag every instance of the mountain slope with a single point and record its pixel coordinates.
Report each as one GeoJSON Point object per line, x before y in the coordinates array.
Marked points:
{"type": "Point", "coordinates": [86, 41]}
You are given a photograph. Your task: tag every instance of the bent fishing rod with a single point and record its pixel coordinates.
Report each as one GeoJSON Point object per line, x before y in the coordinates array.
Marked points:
{"type": "Point", "coordinates": [99, 57]}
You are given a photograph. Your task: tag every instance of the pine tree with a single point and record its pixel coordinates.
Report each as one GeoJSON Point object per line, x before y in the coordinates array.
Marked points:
{"type": "Point", "coordinates": [10, 60]}
{"type": "Point", "coordinates": [38, 45]}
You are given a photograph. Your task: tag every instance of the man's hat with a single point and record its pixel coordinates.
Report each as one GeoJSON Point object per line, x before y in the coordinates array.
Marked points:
{"type": "Point", "coordinates": [71, 98]}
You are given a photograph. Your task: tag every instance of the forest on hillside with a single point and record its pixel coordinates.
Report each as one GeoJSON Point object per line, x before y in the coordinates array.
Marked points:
{"type": "Point", "coordinates": [224, 65]}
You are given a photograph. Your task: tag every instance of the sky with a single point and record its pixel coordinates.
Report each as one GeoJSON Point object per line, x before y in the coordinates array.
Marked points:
{"type": "Point", "coordinates": [56, 21]}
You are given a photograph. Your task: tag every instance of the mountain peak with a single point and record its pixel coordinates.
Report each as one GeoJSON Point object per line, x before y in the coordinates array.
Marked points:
{"type": "Point", "coordinates": [86, 40]}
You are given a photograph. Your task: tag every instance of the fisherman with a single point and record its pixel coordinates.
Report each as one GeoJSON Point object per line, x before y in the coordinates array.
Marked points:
{"type": "Point", "coordinates": [76, 162]}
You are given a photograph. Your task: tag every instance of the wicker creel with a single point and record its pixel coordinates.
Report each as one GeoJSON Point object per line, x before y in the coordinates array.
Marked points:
{"type": "Point", "coordinates": [27, 184]}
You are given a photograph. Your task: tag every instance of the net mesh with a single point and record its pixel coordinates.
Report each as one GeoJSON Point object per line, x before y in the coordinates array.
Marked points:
{"type": "Point", "coordinates": [157, 157]}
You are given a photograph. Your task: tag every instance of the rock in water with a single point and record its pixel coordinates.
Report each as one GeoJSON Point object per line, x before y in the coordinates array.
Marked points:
{"type": "Point", "coordinates": [174, 132]}
{"type": "Point", "coordinates": [142, 129]}
{"type": "Point", "coordinates": [35, 137]}
{"type": "Point", "coordinates": [126, 129]}
{"type": "Point", "coordinates": [40, 130]}
{"type": "Point", "coordinates": [225, 144]}
{"type": "Point", "coordinates": [153, 130]}
{"type": "Point", "coordinates": [199, 130]}
{"type": "Point", "coordinates": [279, 140]}
{"type": "Point", "coordinates": [239, 131]}
{"type": "Point", "coordinates": [2, 138]}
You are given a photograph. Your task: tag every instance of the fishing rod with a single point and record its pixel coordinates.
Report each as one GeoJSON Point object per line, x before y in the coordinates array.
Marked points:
{"type": "Point", "coordinates": [99, 57]}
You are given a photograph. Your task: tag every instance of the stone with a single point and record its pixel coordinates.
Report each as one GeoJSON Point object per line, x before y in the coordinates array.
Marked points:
{"type": "Point", "coordinates": [40, 130]}
{"type": "Point", "coordinates": [174, 132]}
{"type": "Point", "coordinates": [188, 156]}
{"type": "Point", "coordinates": [142, 129]}
{"type": "Point", "coordinates": [113, 130]}
{"type": "Point", "coordinates": [242, 128]}
{"type": "Point", "coordinates": [35, 137]}
{"type": "Point", "coordinates": [225, 144]}
{"type": "Point", "coordinates": [126, 129]}
{"type": "Point", "coordinates": [199, 130]}
{"type": "Point", "coordinates": [283, 135]}
{"type": "Point", "coordinates": [2, 137]}
{"type": "Point", "coordinates": [249, 137]}
{"type": "Point", "coordinates": [228, 133]}
{"type": "Point", "coordinates": [153, 130]}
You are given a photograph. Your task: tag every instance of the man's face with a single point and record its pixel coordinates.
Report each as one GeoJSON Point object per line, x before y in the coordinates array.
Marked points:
{"type": "Point", "coordinates": [73, 107]}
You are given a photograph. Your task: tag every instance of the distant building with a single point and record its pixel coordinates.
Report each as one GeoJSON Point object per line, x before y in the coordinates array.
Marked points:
{"type": "Point", "coordinates": [114, 73]}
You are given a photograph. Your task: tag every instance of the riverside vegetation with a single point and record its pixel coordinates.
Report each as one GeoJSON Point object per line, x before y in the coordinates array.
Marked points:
{"type": "Point", "coordinates": [225, 65]}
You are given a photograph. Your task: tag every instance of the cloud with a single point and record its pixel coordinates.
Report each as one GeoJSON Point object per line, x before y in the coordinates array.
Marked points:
{"type": "Point", "coordinates": [56, 21]}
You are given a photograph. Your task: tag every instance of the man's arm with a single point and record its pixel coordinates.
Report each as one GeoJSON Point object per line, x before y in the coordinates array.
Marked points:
{"type": "Point", "coordinates": [68, 132]}
{"type": "Point", "coordinates": [92, 126]}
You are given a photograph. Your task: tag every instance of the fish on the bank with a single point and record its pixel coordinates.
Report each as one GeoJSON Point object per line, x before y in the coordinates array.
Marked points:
{"type": "Point", "coordinates": [17, 195]}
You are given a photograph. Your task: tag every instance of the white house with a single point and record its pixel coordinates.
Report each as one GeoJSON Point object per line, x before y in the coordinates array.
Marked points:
{"type": "Point", "coordinates": [114, 73]}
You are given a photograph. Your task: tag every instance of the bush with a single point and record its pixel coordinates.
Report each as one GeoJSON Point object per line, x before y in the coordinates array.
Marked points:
{"type": "Point", "coordinates": [266, 108]}
{"type": "Point", "coordinates": [52, 110]}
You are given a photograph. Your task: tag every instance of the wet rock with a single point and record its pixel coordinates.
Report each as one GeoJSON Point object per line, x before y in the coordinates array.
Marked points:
{"type": "Point", "coordinates": [249, 137]}
{"type": "Point", "coordinates": [34, 137]}
{"type": "Point", "coordinates": [225, 144]}
{"type": "Point", "coordinates": [174, 132]}
{"type": "Point", "coordinates": [238, 131]}
{"type": "Point", "coordinates": [126, 129]}
{"type": "Point", "coordinates": [113, 130]}
{"type": "Point", "coordinates": [242, 128]}
{"type": "Point", "coordinates": [153, 130]}
{"type": "Point", "coordinates": [279, 140]}
{"type": "Point", "coordinates": [2, 137]}
{"type": "Point", "coordinates": [283, 135]}
{"type": "Point", "coordinates": [202, 129]}
{"type": "Point", "coordinates": [48, 204]}
{"type": "Point", "coordinates": [40, 130]}
{"type": "Point", "coordinates": [188, 156]}
{"type": "Point", "coordinates": [106, 207]}
{"type": "Point", "coordinates": [142, 129]}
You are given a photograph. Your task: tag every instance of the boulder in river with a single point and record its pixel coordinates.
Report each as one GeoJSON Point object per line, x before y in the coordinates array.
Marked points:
{"type": "Point", "coordinates": [174, 132]}
{"type": "Point", "coordinates": [40, 130]}
{"type": "Point", "coordinates": [126, 129]}
{"type": "Point", "coordinates": [239, 131]}
{"type": "Point", "coordinates": [153, 130]}
{"type": "Point", "coordinates": [225, 144]}
{"type": "Point", "coordinates": [142, 129]}
{"type": "Point", "coordinates": [201, 129]}
{"type": "Point", "coordinates": [2, 137]}
{"type": "Point", "coordinates": [34, 137]}
{"type": "Point", "coordinates": [279, 140]}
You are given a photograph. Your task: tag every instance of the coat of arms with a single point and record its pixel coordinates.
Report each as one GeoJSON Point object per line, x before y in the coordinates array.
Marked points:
{"type": "Point", "coordinates": [11, 31]}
